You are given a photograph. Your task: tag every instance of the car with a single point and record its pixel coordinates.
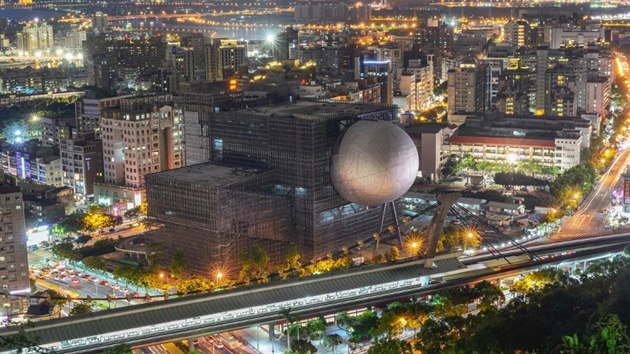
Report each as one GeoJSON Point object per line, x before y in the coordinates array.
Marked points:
{"type": "Point", "coordinates": [116, 287]}
{"type": "Point", "coordinates": [75, 281]}
{"type": "Point", "coordinates": [136, 294]}
{"type": "Point", "coordinates": [104, 283]}
{"type": "Point", "coordinates": [86, 276]}
{"type": "Point", "coordinates": [219, 344]}
{"type": "Point", "coordinates": [94, 279]}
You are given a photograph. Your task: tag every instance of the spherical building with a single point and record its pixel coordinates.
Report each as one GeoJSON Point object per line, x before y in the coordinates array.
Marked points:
{"type": "Point", "coordinates": [375, 163]}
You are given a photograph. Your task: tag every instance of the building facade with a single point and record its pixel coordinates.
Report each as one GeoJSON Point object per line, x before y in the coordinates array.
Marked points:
{"type": "Point", "coordinates": [82, 163]}
{"type": "Point", "coordinates": [14, 270]}
{"type": "Point", "coordinates": [268, 185]}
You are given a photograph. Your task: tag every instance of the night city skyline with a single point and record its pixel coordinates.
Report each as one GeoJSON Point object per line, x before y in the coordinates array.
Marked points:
{"type": "Point", "coordinates": [314, 176]}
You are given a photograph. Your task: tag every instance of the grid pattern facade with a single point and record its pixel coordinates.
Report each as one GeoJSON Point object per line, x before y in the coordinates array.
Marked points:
{"type": "Point", "coordinates": [294, 145]}
{"type": "Point", "coordinates": [143, 135]}
{"type": "Point", "coordinates": [13, 257]}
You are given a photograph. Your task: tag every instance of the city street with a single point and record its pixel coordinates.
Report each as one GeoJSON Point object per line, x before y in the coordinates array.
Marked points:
{"type": "Point", "coordinates": [590, 216]}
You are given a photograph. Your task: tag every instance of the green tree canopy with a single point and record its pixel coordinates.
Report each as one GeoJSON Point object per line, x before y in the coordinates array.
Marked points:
{"type": "Point", "coordinates": [390, 346]}
{"type": "Point", "coordinates": [81, 308]}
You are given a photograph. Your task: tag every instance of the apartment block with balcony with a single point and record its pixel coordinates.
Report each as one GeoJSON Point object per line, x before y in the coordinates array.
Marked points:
{"type": "Point", "coordinates": [141, 135]}
{"type": "Point", "coordinates": [82, 163]}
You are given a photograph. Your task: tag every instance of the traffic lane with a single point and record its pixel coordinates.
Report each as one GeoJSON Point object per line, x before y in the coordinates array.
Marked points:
{"type": "Point", "coordinates": [588, 216]}
{"type": "Point", "coordinates": [207, 345]}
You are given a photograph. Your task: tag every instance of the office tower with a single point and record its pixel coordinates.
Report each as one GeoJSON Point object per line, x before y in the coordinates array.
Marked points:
{"type": "Point", "coordinates": [466, 88]}
{"type": "Point", "coordinates": [99, 22]}
{"type": "Point", "coordinates": [82, 163]}
{"type": "Point", "coordinates": [14, 277]}
{"type": "Point", "coordinates": [267, 184]}
{"type": "Point", "coordinates": [223, 58]}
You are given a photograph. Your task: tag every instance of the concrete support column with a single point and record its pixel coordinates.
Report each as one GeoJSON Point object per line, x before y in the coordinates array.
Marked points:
{"type": "Point", "coordinates": [271, 331]}
{"type": "Point", "coordinates": [191, 345]}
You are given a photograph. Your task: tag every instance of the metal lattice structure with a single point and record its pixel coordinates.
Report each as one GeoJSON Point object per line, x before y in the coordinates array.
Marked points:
{"type": "Point", "coordinates": [287, 196]}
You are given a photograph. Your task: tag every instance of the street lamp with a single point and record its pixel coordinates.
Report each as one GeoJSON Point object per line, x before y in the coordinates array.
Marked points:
{"type": "Point", "coordinates": [219, 276]}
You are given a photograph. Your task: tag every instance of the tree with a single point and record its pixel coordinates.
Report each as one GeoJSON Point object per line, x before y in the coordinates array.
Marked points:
{"type": "Point", "coordinates": [316, 328]}
{"type": "Point", "coordinates": [488, 294]}
{"type": "Point", "coordinates": [363, 326]}
{"type": "Point", "coordinates": [71, 224]}
{"type": "Point", "coordinates": [119, 349]}
{"type": "Point", "coordinates": [332, 341]}
{"type": "Point", "coordinates": [343, 263]}
{"type": "Point", "coordinates": [21, 342]}
{"type": "Point", "coordinates": [193, 285]}
{"type": "Point", "coordinates": [537, 280]}
{"type": "Point", "coordinates": [292, 266]}
{"type": "Point", "coordinates": [390, 346]}
{"type": "Point", "coordinates": [81, 308]}
{"type": "Point", "coordinates": [66, 250]}
{"type": "Point", "coordinates": [290, 318]}
{"type": "Point", "coordinates": [178, 264]}
{"type": "Point", "coordinates": [432, 337]}
{"type": "Point", "coordinates": [95, 220]}
{"type": "Point", "coordinates": [255, 263]}
{"type": "Point", "coordinates": [95, 263]}
{"type": "Point", "coordinates": [82, 239]}
{"type": "Point", "coordinates": [342, 319]}
{"type": "Point", "coordinates": [303, 346]}
{"type": "Point", "coordinates": [395, 253]}
{"type": "Point", "coordinates": [610, 336]}
{"type": "Point", "coordinates": [391, 323]}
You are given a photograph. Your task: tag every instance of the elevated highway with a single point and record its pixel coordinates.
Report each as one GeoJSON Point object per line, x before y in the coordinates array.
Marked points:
{"type": "Point", "coordinates": [201, 315]}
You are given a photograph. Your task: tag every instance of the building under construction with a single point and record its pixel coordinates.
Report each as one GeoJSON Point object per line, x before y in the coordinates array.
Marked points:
{"type": "Point", "coordinates": [267, 183]}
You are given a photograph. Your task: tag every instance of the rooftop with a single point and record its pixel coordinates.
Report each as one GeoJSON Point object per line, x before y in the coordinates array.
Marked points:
{"type": "Point", "coordinates": [5, 189]}
{"type": "Point", "coordinates": [502, 205]}
{"type": "Point", "coordinates": [489, 140]}
{"type": "Point", "coordinates": [313, 110]}
{"type": "Point", "coordinates": [209, 174]}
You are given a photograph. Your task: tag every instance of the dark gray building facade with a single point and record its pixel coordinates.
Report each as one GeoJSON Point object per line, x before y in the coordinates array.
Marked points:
{"type": "Point", "coordinates": [267, 183]}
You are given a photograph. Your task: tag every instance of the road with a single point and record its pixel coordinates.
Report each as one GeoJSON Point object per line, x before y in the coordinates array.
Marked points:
{"type": "Point", "coordinates": [589, 219]}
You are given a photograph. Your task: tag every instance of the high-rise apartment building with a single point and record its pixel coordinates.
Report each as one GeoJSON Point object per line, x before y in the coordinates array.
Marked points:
{"type": "Point", "coordinates": [35, 36]}
{"type": "Point", "coordinates": [466, 88]}
{"type": "Point", "coordinates": [82, 163]}
{"type": "Point", "coordinates": [517, 33]}
{"type": "Point", "coordinates": [99, 22]}
{"type": "Point", "coordinates": [56, 130]}
{"type": "Point", "coordinates": [88, 111]}
{"type": "Point", "coordinates": [113, 63]}
{"type": "Point", "coordinates": [223, 58]}
{"type": "Point", "coordinates": [14, 277]}
{"type": "Point", "coordinates": [141, 135]}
